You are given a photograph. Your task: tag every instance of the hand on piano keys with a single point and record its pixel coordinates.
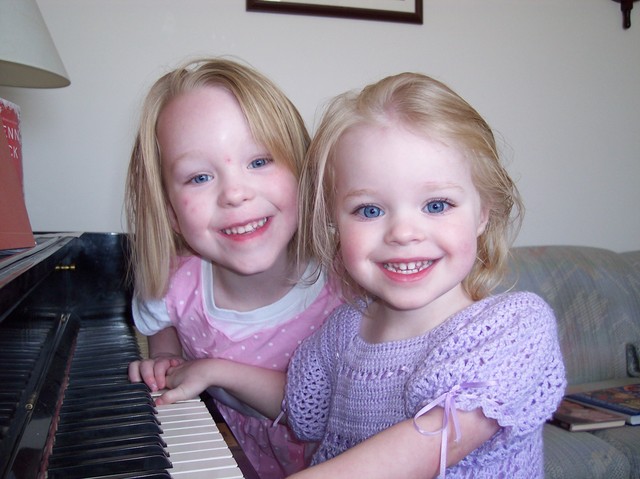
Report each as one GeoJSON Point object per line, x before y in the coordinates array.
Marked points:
{"type": "Point", "coordinates": [181, 438]}
{"type": "Point", "coordinates": [110, 428]}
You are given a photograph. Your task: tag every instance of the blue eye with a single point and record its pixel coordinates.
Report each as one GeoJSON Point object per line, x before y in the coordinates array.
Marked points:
{"type": "Point", "coordinates": [201, 178]}
{"type": "Point", "coordinates": [369, 211]}
{"type": "Point", "coordinates": [438, 206]}
{"type": "Point", "coordinates": [259, 162]}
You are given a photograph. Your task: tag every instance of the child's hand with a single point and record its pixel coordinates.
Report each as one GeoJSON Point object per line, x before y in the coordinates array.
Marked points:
{"type": "Point", "coordinates": [153, 371]}
{"type": "Point", "coordinates": [186, 381]}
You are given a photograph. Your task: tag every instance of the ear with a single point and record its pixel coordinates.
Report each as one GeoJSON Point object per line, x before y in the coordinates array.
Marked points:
{"type": "Point", "coordinates": [483, 219]}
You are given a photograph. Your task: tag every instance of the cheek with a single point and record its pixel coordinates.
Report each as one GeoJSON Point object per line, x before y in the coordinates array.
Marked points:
{"type": "Point", "coordinates": [288, 186]}
{"type": "Point", "coordinates": [188, 210]}
{"type": "Point", "coordinates": [467, 249]}
{"type": "Point", "coordinates": [352, 246]}
{"type": "Point", "coordinates": [289, 197]}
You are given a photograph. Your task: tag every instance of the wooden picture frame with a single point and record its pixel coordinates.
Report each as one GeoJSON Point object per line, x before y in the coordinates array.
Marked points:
{"type": "Point", "coordinates": [405, 11]}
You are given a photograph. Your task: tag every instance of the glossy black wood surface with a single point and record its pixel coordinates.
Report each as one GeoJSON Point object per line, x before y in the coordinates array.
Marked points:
{"type": "Point", "coordinates": [47, 295]}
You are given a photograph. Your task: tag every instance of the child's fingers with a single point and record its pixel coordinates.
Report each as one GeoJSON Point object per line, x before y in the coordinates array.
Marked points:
{"type": "Point", "coordinates": [152, 371]}
{"type": "Point", "coordinates": [171, 396]}
{"type": "Point", "coordinates": [147, 372]}
{"type": "Point", "coordinates": [134, 372]}
{"type": "Point", "coordinates": [160, 368]}
{"type": "Point", "coordinates": [143, 371]}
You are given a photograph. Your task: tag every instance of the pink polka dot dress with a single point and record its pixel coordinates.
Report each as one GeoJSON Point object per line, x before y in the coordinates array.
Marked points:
{"type": "Point", "coordinates": [263, 337]}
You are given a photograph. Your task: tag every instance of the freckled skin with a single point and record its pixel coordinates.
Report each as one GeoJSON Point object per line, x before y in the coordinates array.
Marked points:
{"type": "Point", "coordinates": [218, 179]}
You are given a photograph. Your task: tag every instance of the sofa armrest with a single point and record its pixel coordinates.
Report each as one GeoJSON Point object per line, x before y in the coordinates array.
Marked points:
{"type": "Point", "coordinates": [596, 298]}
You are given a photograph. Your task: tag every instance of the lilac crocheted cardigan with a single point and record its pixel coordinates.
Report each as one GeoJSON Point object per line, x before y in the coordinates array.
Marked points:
{"type": "Point", "coordinates": [342, 390]}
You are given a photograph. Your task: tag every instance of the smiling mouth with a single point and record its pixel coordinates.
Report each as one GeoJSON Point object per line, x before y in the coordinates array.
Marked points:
{"type": "Point", "coordinates": [245, 229]}
{"type": "Point", "coordinates": [412, 267]}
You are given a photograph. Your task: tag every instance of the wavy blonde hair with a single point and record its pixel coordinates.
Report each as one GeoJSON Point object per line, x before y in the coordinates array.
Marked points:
{"type": "Point", "coordinates": [274, 122]}
{"type": "Point", "coordinates": [430, 109]}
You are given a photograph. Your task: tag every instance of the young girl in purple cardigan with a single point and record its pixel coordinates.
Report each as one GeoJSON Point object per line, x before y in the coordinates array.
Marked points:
{"type": "Point", "coordinates": [423, 373]}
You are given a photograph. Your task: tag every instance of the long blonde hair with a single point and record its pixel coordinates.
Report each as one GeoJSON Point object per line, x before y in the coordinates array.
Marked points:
{"type": "Point", "coordinates": [431, 109]}
{"type": "Point", "coordinates": [274, 122]}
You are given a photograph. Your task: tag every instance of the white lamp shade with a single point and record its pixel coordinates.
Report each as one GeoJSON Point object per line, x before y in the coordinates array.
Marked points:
{"type": "Point", "coordinates": [28, 56]}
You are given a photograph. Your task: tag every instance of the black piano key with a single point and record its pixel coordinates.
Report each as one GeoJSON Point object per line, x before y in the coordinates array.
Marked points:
{"type": "Point", "coordinates": [8, 397]}
{"type": "Point", "coordinates": [117, 347]}
{"type": "Point", "coordinates": [90, 404]}
{"type": "Point", "coordinates": [86, 435]}
{"type": "Point", "coordinates": [139, 475]}
{"type": "Point", "coordinates": [106, 390]}
{"type": "Point", "coordinates": [121, 356]}
{"type": "Point", "coordinates": [106, 420]}
{"type": "Point", "coordinates": [111, 379]}
{"type": "Point", "coordinates": [114, 368]}
{"type": "Point", "coordinates": [91, 456]}
{"type": "Point", "coordinates": [103, 467]}
{"type": "Point", "coordinates": [105, 410]}
{"type": "Point", "coordinates": [105, 443]}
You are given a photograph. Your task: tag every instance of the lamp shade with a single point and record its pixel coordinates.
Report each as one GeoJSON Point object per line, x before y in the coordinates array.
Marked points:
{"type": "Point", "coordinates": [28, 57]}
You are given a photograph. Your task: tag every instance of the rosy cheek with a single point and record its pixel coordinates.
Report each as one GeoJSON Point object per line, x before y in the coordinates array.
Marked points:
{"type": "Point", "coordinates": [188, 206]}
{"type": "Point", "coordinates": [349, 252]}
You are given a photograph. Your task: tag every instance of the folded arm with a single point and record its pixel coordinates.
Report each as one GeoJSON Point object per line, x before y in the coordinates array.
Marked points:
{"type": "Point", "coordinates": [258, 387]}
{"type": "Point", "coordinates": [402, 452]}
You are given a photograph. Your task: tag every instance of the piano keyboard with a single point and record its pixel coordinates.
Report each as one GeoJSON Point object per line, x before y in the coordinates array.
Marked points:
{"type": "Point", "coordinates": [109, 428]}
{"type": "Point", "coordinates": [196, 447]}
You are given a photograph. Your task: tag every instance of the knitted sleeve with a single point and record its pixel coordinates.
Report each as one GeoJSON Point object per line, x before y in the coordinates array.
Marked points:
{"type": "Point", "coordinates": [509, 351]}
{"type": "Point", "coordinates": [309, 381]}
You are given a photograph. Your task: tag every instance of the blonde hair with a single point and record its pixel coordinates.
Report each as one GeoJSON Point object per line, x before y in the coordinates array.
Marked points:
{"type": "Point", "coordinates": [430, 109]}
{"type": "Point", "coordinates": [274, 122]}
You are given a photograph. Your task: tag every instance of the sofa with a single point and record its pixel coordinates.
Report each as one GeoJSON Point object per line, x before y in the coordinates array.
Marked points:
{"type": "Point", "coordinates": [595, 294]}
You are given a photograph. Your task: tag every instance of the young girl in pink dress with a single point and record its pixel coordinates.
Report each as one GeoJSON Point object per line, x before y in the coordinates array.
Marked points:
{"type": "Point", "coordinates": [213, 211]}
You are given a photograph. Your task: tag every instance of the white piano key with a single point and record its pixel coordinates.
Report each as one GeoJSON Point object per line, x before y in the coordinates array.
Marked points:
{"type": "Point", "coordinates": [196, 448]}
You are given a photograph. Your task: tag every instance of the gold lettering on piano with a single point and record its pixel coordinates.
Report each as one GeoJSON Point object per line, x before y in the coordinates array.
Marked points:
{"type": "Point", "coordinates": [65, 267]}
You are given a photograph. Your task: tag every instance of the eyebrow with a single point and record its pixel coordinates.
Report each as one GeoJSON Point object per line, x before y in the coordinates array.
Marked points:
{"type": "Point", "coordinates": [429, 185]}
{"type": "Point", "coordinates": [360, 192]}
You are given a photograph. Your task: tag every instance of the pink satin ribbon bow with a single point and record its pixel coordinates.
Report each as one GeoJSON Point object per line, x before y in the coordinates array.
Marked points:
{"type": "Point", "coordinates": [448, 402]}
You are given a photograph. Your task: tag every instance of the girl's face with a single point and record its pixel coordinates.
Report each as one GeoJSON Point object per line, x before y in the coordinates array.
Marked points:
{"type": "Point", "coordinates": [409, 216]}
{"type": "Point", "coordinates": [229, 199]}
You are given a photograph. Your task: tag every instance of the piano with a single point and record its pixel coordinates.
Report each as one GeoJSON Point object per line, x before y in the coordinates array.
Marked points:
{"type": "Point", "coordinates": [67, 409]}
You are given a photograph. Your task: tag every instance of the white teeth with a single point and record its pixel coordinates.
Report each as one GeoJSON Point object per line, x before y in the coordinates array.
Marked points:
{"type": "Point", "coordinates": [248, 228]}
{"type": "Point", "coordinates": [407, 268]}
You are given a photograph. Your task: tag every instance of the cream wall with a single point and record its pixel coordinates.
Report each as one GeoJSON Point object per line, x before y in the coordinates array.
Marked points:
{"type": "Point", "coordinates": [559, 80]}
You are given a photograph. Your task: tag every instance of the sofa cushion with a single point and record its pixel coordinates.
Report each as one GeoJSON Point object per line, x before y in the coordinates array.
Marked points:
{"type": "Point", "coordinates": [581, 455]}
{"type": "Point", "coordinates": [595, 302]}
{"type": "Point", "coordinates": [626, 440]}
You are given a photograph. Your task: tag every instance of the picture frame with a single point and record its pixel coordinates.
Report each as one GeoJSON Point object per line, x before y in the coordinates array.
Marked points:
{"type": "Point", "coordinates": [405, 11]}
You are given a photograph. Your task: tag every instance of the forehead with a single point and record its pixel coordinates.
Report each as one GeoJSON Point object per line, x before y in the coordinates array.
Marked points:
{"type": "Point", "coordinates": [194, 100]}
{"type": "Point", "coordinates": [195, 112]}
{"type": "Point", "coordinates": [395, 151]}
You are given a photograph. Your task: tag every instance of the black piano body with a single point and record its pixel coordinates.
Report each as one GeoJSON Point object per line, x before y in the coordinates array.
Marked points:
{"type": "Point", "coordinates": [47, 295]}
{"type": "Point", "coordinates": [65, 313]}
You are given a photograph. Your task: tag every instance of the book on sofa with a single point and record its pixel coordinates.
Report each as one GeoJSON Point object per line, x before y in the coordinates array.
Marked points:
{"type": "Point", "coordinates": [624, 400]}
{"type": "Point", "coordinates": [574, 416]}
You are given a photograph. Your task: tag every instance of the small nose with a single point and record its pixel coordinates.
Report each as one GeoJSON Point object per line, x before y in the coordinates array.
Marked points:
{"type": "Point", "coordinates": [234, 192]}
{"type": "Point", "coordinates": [404, 229]}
